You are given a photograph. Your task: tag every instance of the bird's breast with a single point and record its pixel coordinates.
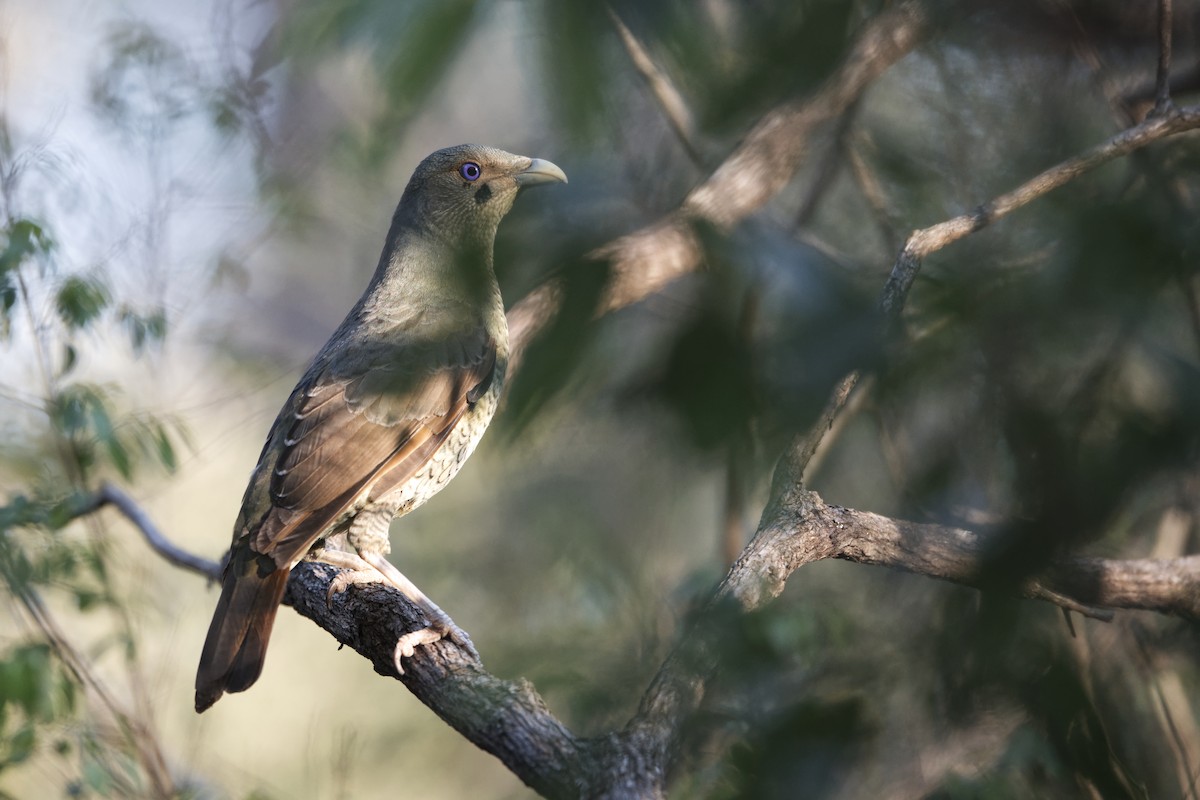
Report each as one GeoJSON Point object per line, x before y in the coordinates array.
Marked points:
{"type": "Point", "coordinates": [447, 460]}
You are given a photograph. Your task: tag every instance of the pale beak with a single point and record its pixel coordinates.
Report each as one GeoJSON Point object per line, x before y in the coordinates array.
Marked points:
{"type": "Point", "coordinates": [540, 171]}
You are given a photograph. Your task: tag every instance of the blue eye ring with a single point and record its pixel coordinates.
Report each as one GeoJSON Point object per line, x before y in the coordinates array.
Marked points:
{"type": "Point", "coordinates": [470, 171]}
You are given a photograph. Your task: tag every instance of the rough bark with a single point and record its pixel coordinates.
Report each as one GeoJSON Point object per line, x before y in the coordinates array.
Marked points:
{"type": "Point", "coordinates": [511, 721]}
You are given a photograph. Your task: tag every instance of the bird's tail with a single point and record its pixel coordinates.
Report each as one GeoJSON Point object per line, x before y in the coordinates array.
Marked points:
{"type": "Point", "coordinates": [251, 590]}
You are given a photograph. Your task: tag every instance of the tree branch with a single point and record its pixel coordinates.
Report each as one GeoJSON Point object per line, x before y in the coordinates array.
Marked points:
{"type": "Point", "coordinates": [508, 720]}
{"type": "Point", "coordinates": [646, 260]}
{"type": "Point", "coordinates": [1162, 82]}
{"type": "Point", "coordinates": [669, 99]}
{"type": "Point", "coordinates": [160, 544]}
{"type": "Point", "coordinates": [923, 242]}
{"type": "Point", "coordinates": [801, 528]}
{"type": "Point", "coordinates": [511, 721]}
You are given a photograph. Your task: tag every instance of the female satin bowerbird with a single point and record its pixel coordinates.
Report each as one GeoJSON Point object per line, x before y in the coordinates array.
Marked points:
{"type": "Point", "coordinates": [386, 414]}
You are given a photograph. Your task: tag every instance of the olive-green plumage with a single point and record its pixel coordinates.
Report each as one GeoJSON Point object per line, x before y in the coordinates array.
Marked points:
{"type": "Point", "coordinates": [389, 409]}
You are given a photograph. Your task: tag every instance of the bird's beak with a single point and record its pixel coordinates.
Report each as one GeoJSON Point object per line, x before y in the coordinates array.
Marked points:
{"type": "Point", "coordinates": [540, 171]}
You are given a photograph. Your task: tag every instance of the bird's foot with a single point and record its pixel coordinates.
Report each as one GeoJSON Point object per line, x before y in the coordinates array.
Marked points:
{"type": "Point", "coordinates": [347, 578]}
{"type": "Point", "coordinates": [355, 571]}
{"type": "Point", "coordinates": [376, 569]}
{"type": "Point", "coordinates": [407, 646]}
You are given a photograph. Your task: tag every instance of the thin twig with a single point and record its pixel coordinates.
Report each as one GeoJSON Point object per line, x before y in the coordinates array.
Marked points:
{"type": "Point", "coordinates": [174, 554]}
{"type": "Point", "coordinates": [143, 740]}
{"type": "Point", "coordinates": [829, 168]}
{"type": "Point", "coordinates": [1139, 102]}
{"type": "Point", "coordinates": [923, 242]}
{"type": "Point", "coordinates": [805, 447]}
{"type": "Point", "coordinates": [740, 449]}
{"type": "Point", "coordinates": [766, 160]}
{"type": "Point", "coordinates": [1189, 285]}
{"type": "Point", "coordinates": [1162, 83]}
{"type": "Point", "coordinates": [872, 191]}
{"type": "Point", "coordinates": [856, 401]}
{"type": "Point", "coordinates": [669, 98]}
{"type": "Point", "coordinates": [1038, 592]}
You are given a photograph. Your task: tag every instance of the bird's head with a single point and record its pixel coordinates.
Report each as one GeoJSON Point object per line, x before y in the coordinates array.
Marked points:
{"type": "Point", "coordinates": [461, 193]}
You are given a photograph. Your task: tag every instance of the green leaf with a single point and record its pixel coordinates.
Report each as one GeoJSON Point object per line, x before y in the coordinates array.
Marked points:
{"type": "Point", "coordinates": [8, 299]}
{"type": "Point", "coordinates": [85, 599]}
{"type": "Point", "coordinates": [70, 358]}
{"type": "Point", "coordinates": [98, 415]}
{"type": "Point", "coordinates": [147, 81]}
{"type": "Point", "coordinates": [25, 238]}
{"type": "Point", "coordinates": [96, 777]}
{"type": "Point", "coordinates": [166, 451]}
{"type": "Point", "coordinates": [70, 693]}
{"type": "Point", "coordinates": [119, 456]}
{"type": "Point", "coordinates": [24, 680]}
{"type": "Point", "coordinates": [18, 570]}
{"type": "Point", "coordinates": [144, 329]}
{"type": "Point", "coordinates": [81, 300]}
{"type": "Point", "coordinates": [21, 744]}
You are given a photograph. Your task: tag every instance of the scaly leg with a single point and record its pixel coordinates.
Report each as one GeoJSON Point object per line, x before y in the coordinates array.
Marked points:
{"type": "Point", "coordinates": [355, 570]}
{"type": "Point", "coordinates": [368, 535]}
{"type": "Point", "coordinates": [440, 624]}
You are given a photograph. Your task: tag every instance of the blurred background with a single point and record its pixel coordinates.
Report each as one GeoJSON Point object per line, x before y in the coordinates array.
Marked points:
{"type": "Point", "coordinates": [193, 194]}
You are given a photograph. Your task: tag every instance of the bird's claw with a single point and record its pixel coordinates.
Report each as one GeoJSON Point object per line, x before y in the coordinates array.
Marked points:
{"type": "Point", "coordinates": [407, 646]}
{"type": "Point", "coordinates": [336, 586]}
{"type": "Point", "coordinates": [347, 578]}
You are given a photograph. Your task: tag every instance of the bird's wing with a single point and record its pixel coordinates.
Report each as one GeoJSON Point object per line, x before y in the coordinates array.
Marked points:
{"type": "Point", "coordinates": [344, 435]}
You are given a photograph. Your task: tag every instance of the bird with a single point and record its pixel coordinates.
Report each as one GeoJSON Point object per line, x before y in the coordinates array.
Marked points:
{"type": "Point", "coordinates": [385, 415]}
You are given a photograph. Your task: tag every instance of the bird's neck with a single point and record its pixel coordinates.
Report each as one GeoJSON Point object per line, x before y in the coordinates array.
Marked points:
{"type": "Point", "coordinates": [436, 274]}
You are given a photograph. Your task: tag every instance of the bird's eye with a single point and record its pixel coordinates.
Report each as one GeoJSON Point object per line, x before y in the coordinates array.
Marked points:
{"type": "Point", "coordinates": [469, 170]}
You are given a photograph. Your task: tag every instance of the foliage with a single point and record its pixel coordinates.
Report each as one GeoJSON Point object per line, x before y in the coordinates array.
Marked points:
{"type": "Point", "coordinates": [74, 434]}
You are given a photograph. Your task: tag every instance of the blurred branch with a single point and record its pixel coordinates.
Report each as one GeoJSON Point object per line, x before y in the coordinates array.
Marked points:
{"type": "Point", "coordinates": [1190, 286]}
{"type": "Point", "coordinates": [929, 240]}
{"type": "Point", "coordinates": [828, 170]}
{"type": "Point", "coordinates": [1140, 102]}
{"type": "Point", "coordinates": [772, 151]}
{"type": "Point", "coordinates": [801, 528]}
{"type": "Point", "coordinates": [795, 462]}
{"type": "Point", "coordinates": [1162, 93]}
{"type": "Point", "coordinates": [872, 191]}
{"type": "Point", "coordinates": [137, 732]}
{"type": "Point", "coordinates": [646, 260]}
{"type": "Point", "coordinates": [511, 721]}
{"type": "Point", "coordinates": [111, 495]}
{"type": "Point", "coordinates": [668, 97]}
{"type": "Point", "coordinates": [507, 719]}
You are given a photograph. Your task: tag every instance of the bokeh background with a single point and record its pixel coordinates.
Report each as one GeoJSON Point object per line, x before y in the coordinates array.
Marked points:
{"type": "Point", "coordinates": [195, 193]}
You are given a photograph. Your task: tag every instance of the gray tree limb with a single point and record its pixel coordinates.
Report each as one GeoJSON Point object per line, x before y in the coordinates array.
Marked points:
{"type": "Point", "coordinates": [510, 720]}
